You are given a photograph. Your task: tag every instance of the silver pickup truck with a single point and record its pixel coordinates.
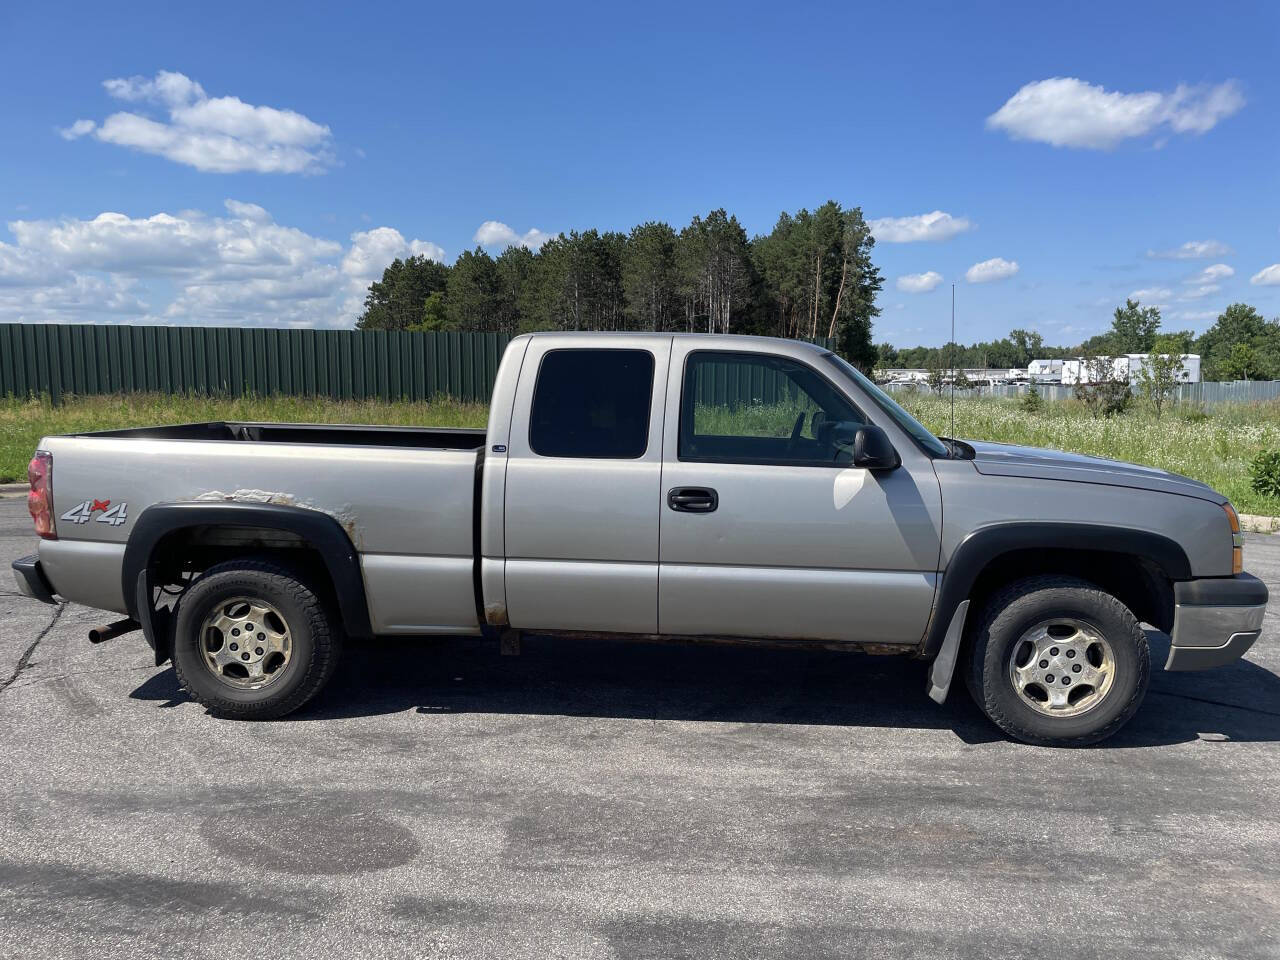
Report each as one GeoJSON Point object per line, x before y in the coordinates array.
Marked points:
{"type": "Point", "coordinates": [648, 485]}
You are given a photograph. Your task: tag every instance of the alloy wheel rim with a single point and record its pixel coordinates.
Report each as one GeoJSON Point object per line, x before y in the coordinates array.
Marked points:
{"type": "Point", "coordinates": [246, 643]}
{"type": "Point", "coordinates": [1062, 667]}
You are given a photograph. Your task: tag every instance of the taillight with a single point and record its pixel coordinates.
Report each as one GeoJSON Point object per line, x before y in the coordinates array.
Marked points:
{"type": "Point", "coordinates": [40, 496]}
{"type": "Point", "coordinates": [1237, 539]}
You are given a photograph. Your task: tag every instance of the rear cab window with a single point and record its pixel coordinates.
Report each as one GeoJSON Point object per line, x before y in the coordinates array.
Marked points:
{"type": "Point", "coordinates": [592, 404]}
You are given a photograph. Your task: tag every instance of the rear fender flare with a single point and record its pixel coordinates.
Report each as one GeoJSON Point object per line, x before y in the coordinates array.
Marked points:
{"type": "Point", "coordinates": [319, 529]}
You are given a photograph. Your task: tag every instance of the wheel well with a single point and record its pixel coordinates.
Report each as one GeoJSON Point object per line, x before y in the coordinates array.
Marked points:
{"type": "Point", "coordinates": [1135, 581]}
{"type": "Point", "coordinates": [172, 543]}
{"type": "Point", "coordinates": [182, 555]}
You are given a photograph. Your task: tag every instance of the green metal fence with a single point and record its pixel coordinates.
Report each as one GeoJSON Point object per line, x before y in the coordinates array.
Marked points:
{"type": "Point", "coordinates": [60, 360]}
{"type": "Point", "coordinates": [79, 359]}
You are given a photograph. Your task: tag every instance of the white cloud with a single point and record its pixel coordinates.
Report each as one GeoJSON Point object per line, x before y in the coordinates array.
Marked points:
{"type": "Point", "coordinates": [1067, 112]}
{"type": "Point", "coordinates": [76, 130]}
{"type": "Point", "coordinates": [372, 250]}
{"type": "Point", "coordinates": [166, 87]}
{"type": "Point", "coordinates": [1203, 290]}
{"type": "Point", "coordinates": [997, 268]}
{"type": "Point", "coordinates": [1192, 250]}
{"type": "Point", "coordinates": [212, 134]}
{"type": "Point", "coordinates": [188, 267]}
{"type": "Point", "coordinates": [925, 226]}
{"type": "Point", "coordinates": [495, 233]}
{"type": "Point", "coordinates": [370, 253]}
{"type": "Point", "coordinates": [76, 297]}
{"type": "Point", "coordinates": [247, 211]}
{"type": "Point", "coordinates": [1212, 274]}
{"type": "Point", "coordinates": [919, 282]}
{"type": "Point", "coordinates": [166, 243]}
{"type": "Point", "coordinates": [1267, 276]}
{"type": "Point", "coordinates": [20, 267]}
{"type": "Point", "coordinates": [306, 298]}
{"type": "Point", "coordinates": [1148, 294]}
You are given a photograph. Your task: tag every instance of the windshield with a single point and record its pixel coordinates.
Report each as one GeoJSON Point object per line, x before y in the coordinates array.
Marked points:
{"type": "Point", "coordinates": [890, 406]}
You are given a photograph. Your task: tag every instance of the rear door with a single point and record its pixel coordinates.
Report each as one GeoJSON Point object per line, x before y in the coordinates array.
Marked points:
{"type": "Point", "coordinates": [767, 529]}
{"type": "Point", "coordinates": [583, 484]}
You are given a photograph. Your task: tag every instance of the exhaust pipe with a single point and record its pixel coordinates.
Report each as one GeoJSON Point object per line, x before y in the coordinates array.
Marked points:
{"type": "Point", "coordinates": [109, 631]}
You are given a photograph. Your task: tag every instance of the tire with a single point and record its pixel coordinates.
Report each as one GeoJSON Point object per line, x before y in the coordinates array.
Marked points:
{"type": "Point", "coordinates": [292, 665]}
{"type": "Point", "coordinates": [1019, 650]}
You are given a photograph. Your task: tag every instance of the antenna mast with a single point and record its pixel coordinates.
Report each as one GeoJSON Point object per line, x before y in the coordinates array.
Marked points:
{"type": "Point", "coordinates": [953, 359]}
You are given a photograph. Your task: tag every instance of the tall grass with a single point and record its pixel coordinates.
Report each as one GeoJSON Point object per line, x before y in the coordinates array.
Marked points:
{"type": "Point", "coordinates": [1215, 447]}
{"type": "Point", "coordinates": [752, 419]}
{"type": "Point", "coordinates": [24, 422]}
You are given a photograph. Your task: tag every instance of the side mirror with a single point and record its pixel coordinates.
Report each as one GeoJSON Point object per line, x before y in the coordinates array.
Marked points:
{"type": "Point", "coordinates": [873, 451]}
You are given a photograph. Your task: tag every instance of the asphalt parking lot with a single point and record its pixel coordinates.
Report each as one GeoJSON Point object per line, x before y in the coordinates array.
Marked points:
{"type": "Point", "coordinates": [608, 800]}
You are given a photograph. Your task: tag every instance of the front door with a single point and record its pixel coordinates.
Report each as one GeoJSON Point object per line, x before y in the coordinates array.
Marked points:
{"type": "Point", "coordinates": [767, 530]}
{"type": "Point", "coordinates": [583, 483]}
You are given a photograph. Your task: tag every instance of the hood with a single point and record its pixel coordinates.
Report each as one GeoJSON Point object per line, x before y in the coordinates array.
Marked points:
{"type": "Point", "coordinates": [1008, 460]}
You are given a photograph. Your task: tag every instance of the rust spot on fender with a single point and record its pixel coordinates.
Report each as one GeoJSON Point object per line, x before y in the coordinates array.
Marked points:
{"type": "Point", "coordinates": [495, 614]}
{"type": "Point", "coordinates": [885, 649]}
{"type": "Point", "coordinates": [250, 495]}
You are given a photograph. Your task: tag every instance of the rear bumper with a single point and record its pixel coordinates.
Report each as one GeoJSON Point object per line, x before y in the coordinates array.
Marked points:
{"type": "Point", "coordinates": [31, 580]}
{"type": "Point", "coordinates": [1215, 621]}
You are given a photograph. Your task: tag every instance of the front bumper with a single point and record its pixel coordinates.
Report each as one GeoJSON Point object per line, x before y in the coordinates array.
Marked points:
{"type": "Point", "coordinates": [31, 580]}
{"type": "Point", "coordinates": [1215, 620]}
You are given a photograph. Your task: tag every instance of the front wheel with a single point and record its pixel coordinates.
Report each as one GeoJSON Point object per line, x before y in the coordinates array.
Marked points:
{"type": "Point", "coordinates": [1056, 661]}
{"type": "Point", "coordinates": [252, 641]}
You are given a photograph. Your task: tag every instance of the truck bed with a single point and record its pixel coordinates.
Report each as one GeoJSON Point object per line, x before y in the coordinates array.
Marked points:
{"type": "Point", "coordinates": [404, 496]}
{"type": "Point", "coordinates": [327, 434]}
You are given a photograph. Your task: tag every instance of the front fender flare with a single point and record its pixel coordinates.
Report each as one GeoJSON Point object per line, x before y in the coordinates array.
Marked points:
{"type": "Point", "coordinates": [985, 544]}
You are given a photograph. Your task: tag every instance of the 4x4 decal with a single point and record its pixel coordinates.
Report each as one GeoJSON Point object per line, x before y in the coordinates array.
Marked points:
{"type": "Point", "coordinates": [84, 512]}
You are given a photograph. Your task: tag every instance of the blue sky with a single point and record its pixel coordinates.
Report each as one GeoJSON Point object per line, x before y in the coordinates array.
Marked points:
{"type": "Point", "coordinates": [259, 163]}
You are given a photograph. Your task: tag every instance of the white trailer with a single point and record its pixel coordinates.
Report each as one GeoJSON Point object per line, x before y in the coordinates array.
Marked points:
{"type": "Point", "coordinates": [1072, 372]}
{"type": "Point", "coordinates": [1126, 368]}
{"type": "Point", "coordinates": [1045, 371]}
{"type": "Point", "coordinates": [1130, 366]}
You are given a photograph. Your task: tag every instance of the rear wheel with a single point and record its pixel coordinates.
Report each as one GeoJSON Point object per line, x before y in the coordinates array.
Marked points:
{"type": "Point", "coordinates": [253, 641]}
{"type": "Point", "coordinates": [1057, 661]}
